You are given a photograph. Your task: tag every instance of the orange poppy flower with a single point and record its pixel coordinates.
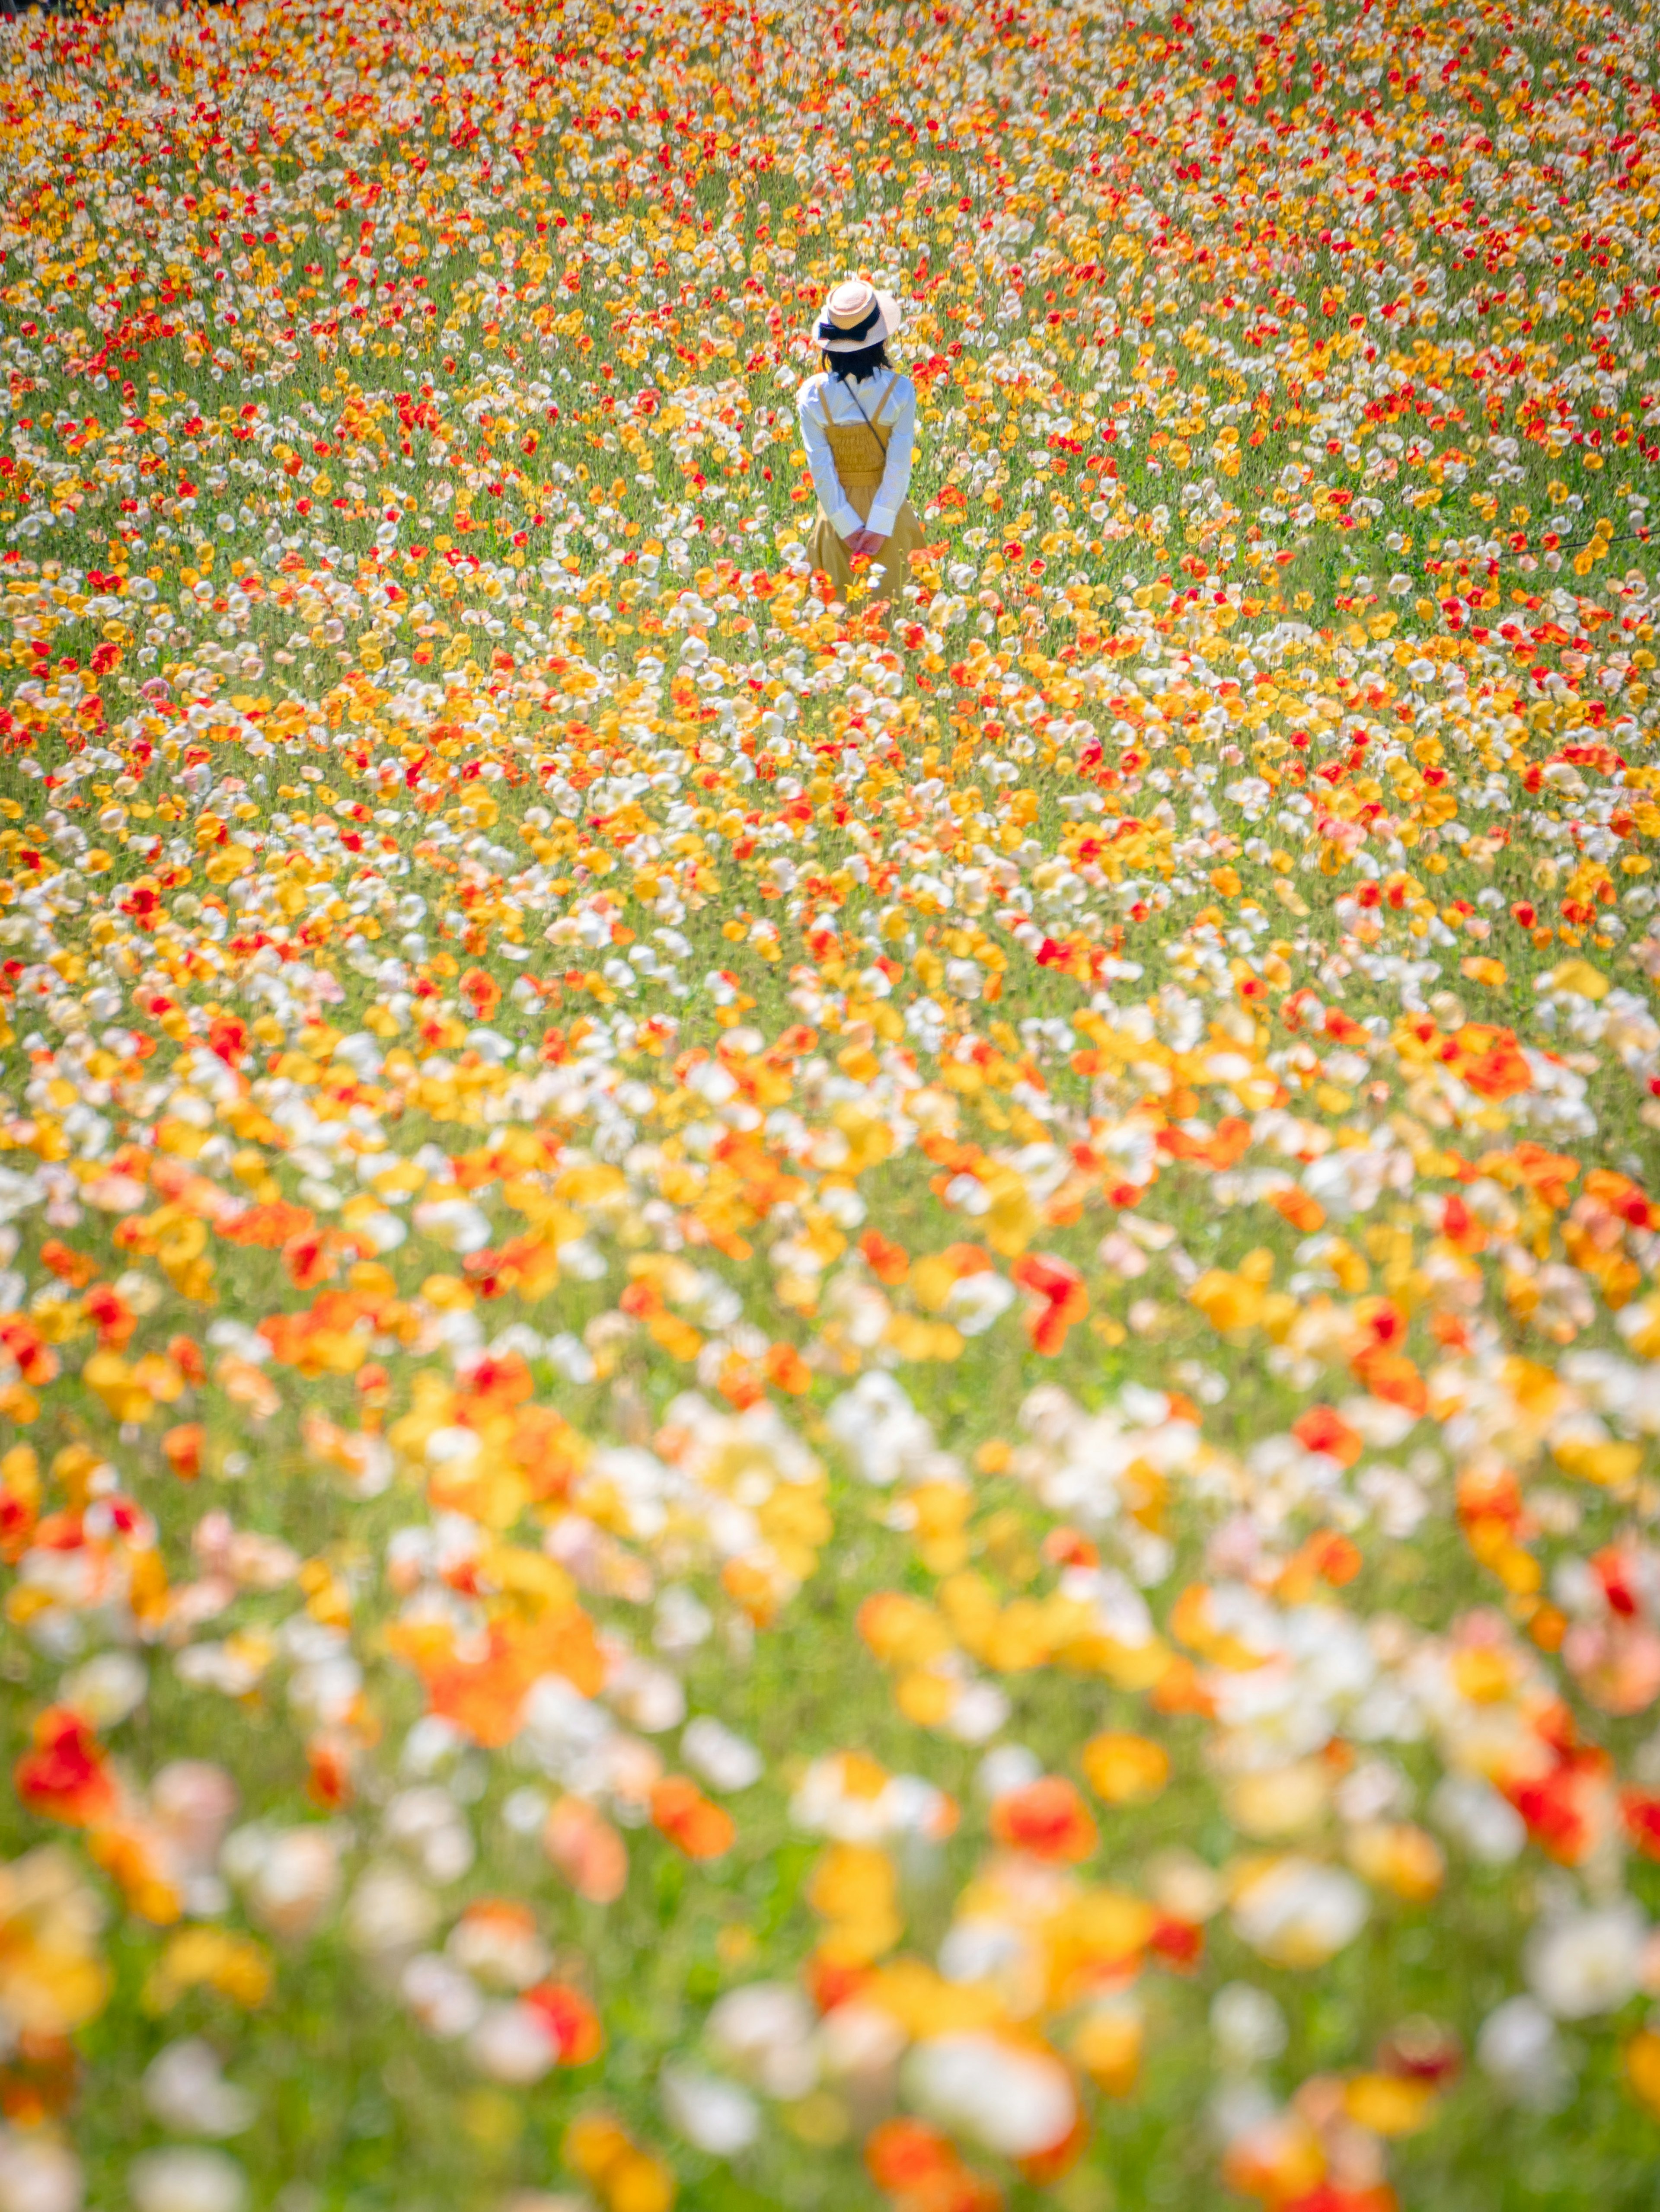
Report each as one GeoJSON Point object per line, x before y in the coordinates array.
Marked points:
{"type": "Point", "coordinates": [183, 1449]}
{"type": "Point", "coordinates": [270, 1227]}
{"type": "Point", "coordinates": [484, 1697]}
{"type": "Point", "coordinates": [924, 2171]}
{"type": "Point", "coordinates": [888, 1261]}
{"type": "Point", "coordinates": [788, 1371]}
{"type": "Point", "coordinates": [691, 1823]}
{"type": "Point", "coordinates": [482, 993]}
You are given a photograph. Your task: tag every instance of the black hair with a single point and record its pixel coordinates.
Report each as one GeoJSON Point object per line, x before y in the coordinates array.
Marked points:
{"type": "Point", "coordinates": [865, 363]}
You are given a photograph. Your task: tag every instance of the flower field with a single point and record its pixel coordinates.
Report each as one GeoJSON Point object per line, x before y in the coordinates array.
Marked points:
{"type": "Point", "coordinates": [800, 1411]}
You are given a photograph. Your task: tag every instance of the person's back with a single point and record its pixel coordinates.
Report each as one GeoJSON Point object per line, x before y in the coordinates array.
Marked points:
{"type": "Point", "coordinates": [857, 419]}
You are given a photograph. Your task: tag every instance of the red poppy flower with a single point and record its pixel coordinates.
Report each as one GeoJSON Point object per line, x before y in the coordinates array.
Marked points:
{"type": "Point", "coordinates": [689, 1820]}
{"type": "Point", "coordinates": [1060, 1296]}
{"type": "Point", "coordinates": [64, 1776]}
{"type": "Point", "coordinates": [1322, 1430]}
{"type": "Point", "coordinates": [1047, 1819]}
{"type": "Point", "coordinates": [570, 2020]}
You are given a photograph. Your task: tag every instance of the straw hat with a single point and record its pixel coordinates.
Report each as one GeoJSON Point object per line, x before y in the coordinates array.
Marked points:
{"type": "Point", "coordinates": [856, 315]}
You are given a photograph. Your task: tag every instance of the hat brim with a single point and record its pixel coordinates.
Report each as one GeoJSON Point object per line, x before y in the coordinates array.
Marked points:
{"type": "Point", "coordinates": [890, 317]}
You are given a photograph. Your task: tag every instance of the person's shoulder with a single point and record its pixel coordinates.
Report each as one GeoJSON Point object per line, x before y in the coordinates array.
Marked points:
{"type": "Point", "coordinates": [811, 387]}
{"type": "Point", "coordinates": [904, 388]}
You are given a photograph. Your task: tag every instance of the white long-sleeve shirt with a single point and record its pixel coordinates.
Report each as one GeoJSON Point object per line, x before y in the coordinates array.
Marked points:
{"type": "Point", "coordinates": [833, 395]}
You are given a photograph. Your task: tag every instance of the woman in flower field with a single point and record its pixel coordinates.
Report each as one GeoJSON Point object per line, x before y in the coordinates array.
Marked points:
{"type": "Point", "coordinates": [828, 1386]}
{"type": "Point", "coordinates": [858, 425]}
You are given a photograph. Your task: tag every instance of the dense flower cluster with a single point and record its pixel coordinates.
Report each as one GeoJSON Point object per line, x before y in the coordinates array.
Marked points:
{"type": "Point", "coordinates": [799, 1409]}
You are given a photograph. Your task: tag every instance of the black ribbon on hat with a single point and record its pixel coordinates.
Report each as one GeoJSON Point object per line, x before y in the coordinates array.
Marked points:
{"type": "Point", "coordinates": [848, 334]}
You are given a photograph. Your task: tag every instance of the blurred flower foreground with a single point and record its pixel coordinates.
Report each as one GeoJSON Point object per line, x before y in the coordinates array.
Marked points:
{"type": "Point", "coordinates": [805, 1405]}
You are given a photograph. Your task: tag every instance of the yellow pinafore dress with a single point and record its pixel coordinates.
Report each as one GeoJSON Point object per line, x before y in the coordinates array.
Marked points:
{"type": "Point", "coordinates": [859, 450]}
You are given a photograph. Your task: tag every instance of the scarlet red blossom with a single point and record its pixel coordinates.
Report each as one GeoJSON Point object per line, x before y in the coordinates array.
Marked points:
{"type": "Point", "coordinates": [1060, 1295]}
{"type": "Point", "coordinates": [571, 2022]}
{"type": "Point", "coordinates": [1321, 1429]}
{"type": "Point", "coordinates": [65, 1776]}
{"type": "Point", "coordinates": [1047, 1818]}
